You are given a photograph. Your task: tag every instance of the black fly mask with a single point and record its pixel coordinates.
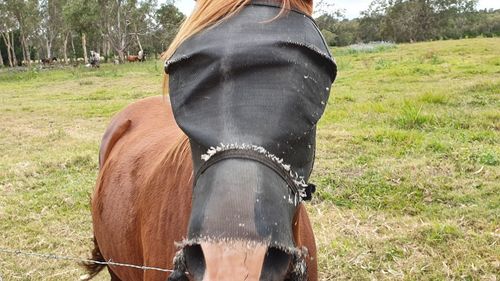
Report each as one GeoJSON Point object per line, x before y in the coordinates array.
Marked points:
{"type": "Point", "coordinates": [248, 93]}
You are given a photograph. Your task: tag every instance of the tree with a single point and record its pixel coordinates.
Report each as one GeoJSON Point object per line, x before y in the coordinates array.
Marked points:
{"type": "Point", "coordinates": [454, 17]}
{"type": "Point", "coordinates": [81, 15]}
{"type": "Point", "coordinates": [401, 21]}
{"type": "Point", "coordinates": [370, 24]}
{"type": "Point", "coordinates": [27, 16]}
{"type": "Point", "coordinates": [326, 22]}
{"type": "Point", "coordinates": [168, 19]}
{"type": "Point", "coordinates": [7, 26]}
{"type": "Point", "coordinates": [416, 20]}
{"type": "Point", "coordinates": [347, 32]}
{"type": "Point", "coordinates": [322, 7]}
{"type": "Point", "coordinates": [141, 17]}
{"type": "Point", "coordinates": [124, 20]}
{"type": "Point", "coordinates": [1, 58]}
{"type": "Point", "coordinates": [52, 24]}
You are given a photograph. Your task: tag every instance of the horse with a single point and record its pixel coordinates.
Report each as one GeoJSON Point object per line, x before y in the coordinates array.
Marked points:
{"type": "Point", "coordinates": [178, 189]}
{"type": "Point", "coordinates": [142, 198]}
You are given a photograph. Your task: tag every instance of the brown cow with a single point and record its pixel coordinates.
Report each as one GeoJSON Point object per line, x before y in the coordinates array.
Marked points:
{"type": "Point", "coordinates": [133, 58]}
{"type": "Point", "coordinates": [142, 200]}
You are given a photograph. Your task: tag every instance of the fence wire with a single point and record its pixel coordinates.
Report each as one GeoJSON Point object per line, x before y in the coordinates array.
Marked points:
{"type": "Point", "coordinates": [76, 259]}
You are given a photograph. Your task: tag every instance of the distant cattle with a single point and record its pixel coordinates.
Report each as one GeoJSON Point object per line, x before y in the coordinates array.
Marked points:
{"type": "Point", "coordinates": [132, 58]}
{"type": "Point", "coordinates": [48, 61]}
{"type": "Point", "coordinates": [95, 59]}
{"type": "Point", "coordinates": [140, 57]}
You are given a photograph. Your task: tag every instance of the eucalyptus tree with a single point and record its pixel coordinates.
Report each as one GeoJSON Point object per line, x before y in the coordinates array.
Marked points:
{"type": "Point", "coordinates": [417, 20]}
{"type": "Point", "coordinates": [127, 20]}
{"type": "Point", "coordinates": [370, 23]}
{"type": "Point", "coordinates": [322, 7]}
{"type": "Point", "coordinates": [26, 13]}
{"type": "Point", "coordinates": [52, 23]}
{"type": "Point", "coordinates": [455, 17]}
{"type": "Point", "coordinates": [142, 21]}
{"type": "Point", "coordinates": [168, 19]}
{"type": "Point", "coordinates": [82, 16]}
{"type": "Point", "coordinates": [336, 28]}
{"type": "Point", "coordinates": [400, 23]}
{"type": "Point", "coordinates": [1, 59]}
{"type": "Point", "coordinates": [7, 26]}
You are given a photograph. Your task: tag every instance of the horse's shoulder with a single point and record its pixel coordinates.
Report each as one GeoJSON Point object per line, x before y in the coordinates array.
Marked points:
{"type": "Point", "coordinates": [144, 114]}
{"type": "Point", "coordinates": [114, 132]}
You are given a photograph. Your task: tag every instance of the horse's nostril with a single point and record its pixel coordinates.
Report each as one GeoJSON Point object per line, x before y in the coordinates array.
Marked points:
{"type": "Point", "coordinates": [276, 265]}
{"type": "Point", "coordinates": [195, 261]}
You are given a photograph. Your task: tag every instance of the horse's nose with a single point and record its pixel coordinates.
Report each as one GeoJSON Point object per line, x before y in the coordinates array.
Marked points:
{"type": "Point", "coordinates": [226, 261]}
{"type": "Point", "coordinates": [276, 265]}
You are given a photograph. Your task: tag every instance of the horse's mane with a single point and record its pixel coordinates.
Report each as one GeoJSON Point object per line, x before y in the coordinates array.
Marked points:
{"type": "Point", "coordinates": [179, 151]}
{"type": "Point", "coordinates": [210, 12]}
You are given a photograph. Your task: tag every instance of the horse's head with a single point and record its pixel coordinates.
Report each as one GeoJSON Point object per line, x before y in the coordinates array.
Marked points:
{"type": "Point", "coordinates": [248, 93]}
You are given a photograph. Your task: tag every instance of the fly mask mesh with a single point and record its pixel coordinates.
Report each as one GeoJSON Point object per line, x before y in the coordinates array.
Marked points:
{"type": "Point", "coordinates": [250, 82]}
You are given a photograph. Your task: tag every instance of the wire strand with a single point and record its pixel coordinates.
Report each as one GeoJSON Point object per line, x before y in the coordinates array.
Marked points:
{"type": "Point", "coordinates": [75, 259]}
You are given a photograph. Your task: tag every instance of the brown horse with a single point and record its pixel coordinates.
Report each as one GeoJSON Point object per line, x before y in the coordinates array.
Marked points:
{"type": "Point", "coordinates": [226, 177]}
{"type": "Point", "coordinates": [142, 201]}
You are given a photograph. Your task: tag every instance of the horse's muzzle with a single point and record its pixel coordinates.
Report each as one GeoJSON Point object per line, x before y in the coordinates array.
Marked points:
{"type": "Point", "coordinates": [236, 261]}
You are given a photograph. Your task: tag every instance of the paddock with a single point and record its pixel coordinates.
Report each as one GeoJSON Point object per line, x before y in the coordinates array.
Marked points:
{"type": "Point", "coordinates": [407, 164]}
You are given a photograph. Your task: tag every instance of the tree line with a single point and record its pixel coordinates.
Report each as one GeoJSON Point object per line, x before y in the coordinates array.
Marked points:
{"type": "Point", "coordinates": [410, 21]}
{"type": "Point", "coordinates": [69, 29]}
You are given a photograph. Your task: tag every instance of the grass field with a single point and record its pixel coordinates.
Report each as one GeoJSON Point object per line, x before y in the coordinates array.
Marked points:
{"type": "Point", "coordinates": [408, 162]}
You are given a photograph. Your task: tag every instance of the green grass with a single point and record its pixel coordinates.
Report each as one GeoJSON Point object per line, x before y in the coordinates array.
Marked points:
{"type": "Point", "coordinates": [408, 162]}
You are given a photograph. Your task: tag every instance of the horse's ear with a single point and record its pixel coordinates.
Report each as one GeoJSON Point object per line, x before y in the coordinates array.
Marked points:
{"type": "Point", "coordinates": [304, 237]}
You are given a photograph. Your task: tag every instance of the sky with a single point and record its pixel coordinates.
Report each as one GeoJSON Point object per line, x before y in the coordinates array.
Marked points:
{"type": "Point", "coordinates": [352, 8]}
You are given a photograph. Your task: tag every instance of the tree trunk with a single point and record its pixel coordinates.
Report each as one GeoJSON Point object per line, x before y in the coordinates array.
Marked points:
{"type": "Point", "coordinates": [65, 48]}
{"type": "Point", "coordinates": [40, 50]}
{"type": "Point", "coordinates": [24, 52]}
{"type": "Point", "coordinates": [103, 48]}
{"type": "Point", "coordinates": [6, 40]}
{"type": "Point", "coordinates": [13, 49]}
{"type": "Point", "coordinates": [49, 48]}
{"type": "Point", "coordinates": [121, 35]}
{"type": "Point", "coordinates": [28, 54]}
{"type": "Point", "coordinates": [73, 48]}
{"type": "Point", "coordinates": [25, 47]}
{"type": "Point", "coordinates": [137, 38]}
{"type": "Point", "coordinates": [108, 49]}
{"type": "Point", "coordinates": [84, 46]}
{"type": "Point", "coordinates": [1, 59]}
{"type": "Point", "coordinates": [121, 55]}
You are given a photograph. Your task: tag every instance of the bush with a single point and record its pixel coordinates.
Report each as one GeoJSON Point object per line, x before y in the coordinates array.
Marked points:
{"type": "Point", "coordinates": [329, 37]}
